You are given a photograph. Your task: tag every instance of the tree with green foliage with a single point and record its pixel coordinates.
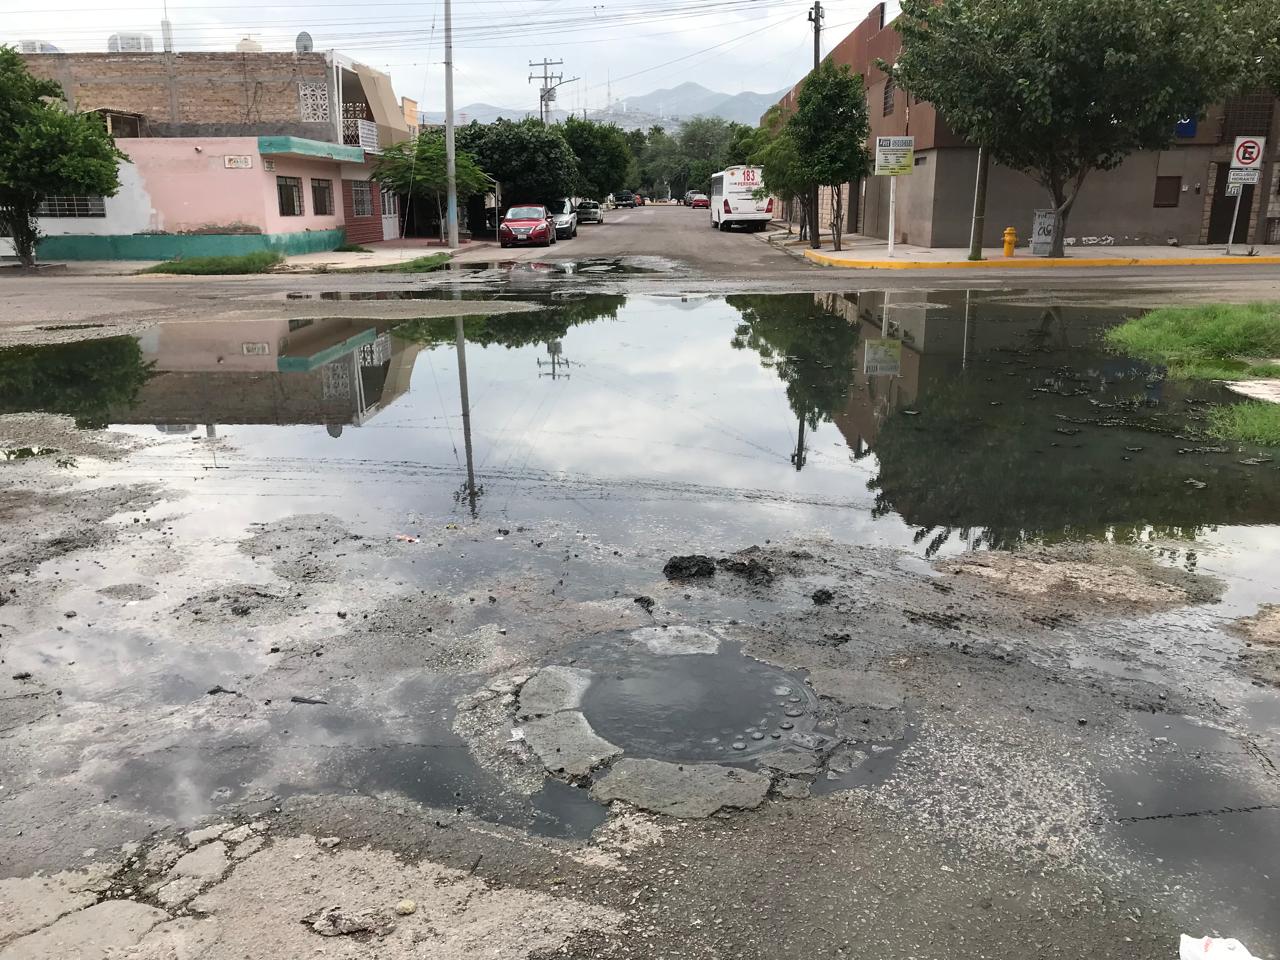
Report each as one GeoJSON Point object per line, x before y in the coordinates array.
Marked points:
{"type": "Point", "coordinates": [45, 150]}
{"type": "Point", "coordinates": [532, 161]}
{"type": "Point", "coordinates": [783, 173]}
{"type": "Point", "coordinates": [1060, 88]}
{"type": "Point", "coordinates": [704, 145]}
{"type": "Point", "coordinates": [416, 168]}
{"type": "Point", "coordinates": [603, 155]}
{"type": "Point", "coordinates": [829, 129]}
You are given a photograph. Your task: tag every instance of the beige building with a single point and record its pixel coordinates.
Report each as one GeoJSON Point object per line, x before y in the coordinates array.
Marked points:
{"type": "Point", "coordinates": [1177, 195]}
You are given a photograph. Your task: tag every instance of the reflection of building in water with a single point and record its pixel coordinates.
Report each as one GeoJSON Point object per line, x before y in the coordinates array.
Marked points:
{"type": "Point", "coordinates": [334, 372]}
{"type": "Point", "coordinates": [941, 331]}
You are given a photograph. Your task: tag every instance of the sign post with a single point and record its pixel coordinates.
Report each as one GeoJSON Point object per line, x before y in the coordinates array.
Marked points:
{"type": "Point", "coordinates": [1246, 167]}
{"type": "Point", "coordinates": [895, 157]}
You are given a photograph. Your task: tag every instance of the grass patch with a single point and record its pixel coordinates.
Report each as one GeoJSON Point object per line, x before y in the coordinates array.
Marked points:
{"type": "Point", "coordinates": [427, 264]}
{"type": "Point", "coordinates": [351, 248]}
{"type": "Point", "coordinates": [1215, 342]}
{"type": "Point", "coordinates": [260, 261]}
{"type": "Point", "coordinates": [1253, 421]}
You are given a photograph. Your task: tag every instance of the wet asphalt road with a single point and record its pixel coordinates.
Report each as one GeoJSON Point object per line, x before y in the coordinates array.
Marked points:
{"type": "Point", "coordinates": [1078, 777]}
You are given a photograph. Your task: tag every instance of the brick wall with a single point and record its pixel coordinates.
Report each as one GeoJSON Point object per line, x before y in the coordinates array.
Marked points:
{"type": "Point", "coordinates": [362, 229]}
{"type": "Point", "coordinates": [195, 94]}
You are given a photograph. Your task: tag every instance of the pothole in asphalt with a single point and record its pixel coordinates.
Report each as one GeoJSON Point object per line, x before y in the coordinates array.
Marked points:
{"type": "Point", "coordinates": [708, 706]}
{"type": "Point", "coordinates": [678, 720]}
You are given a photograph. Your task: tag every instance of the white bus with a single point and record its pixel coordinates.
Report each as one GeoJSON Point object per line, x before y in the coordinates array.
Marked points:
{"type": "Point", "coordinates": [733, 199]}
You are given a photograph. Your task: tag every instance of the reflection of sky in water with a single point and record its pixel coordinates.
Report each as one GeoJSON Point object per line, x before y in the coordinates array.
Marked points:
{"type": "Point", "coordinates": [662, 432]}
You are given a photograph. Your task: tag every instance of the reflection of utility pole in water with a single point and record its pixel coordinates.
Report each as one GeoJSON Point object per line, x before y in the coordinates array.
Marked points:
{"type": "Point", "coordinates": [800, 455]}
{"type": "Point", "coordinates": [558, 363]}
{"type": "Point", "coordinates": [472, 494]}
{"type": "Point", "coordinates": [964, 349]}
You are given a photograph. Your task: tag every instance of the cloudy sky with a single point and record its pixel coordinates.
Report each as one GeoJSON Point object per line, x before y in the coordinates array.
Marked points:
{"type": "Point", "coordinates": [628, 47]}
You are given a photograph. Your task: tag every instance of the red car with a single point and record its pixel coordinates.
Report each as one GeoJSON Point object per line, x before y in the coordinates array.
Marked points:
{"type": "Point", "coordinates": [700, 200]}
{"type": "Point", "coordinates": [528, 226]}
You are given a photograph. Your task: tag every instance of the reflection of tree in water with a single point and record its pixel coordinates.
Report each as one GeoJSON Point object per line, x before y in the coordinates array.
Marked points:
{"type": "Point", "coordinates": [515, 329]}
{"type": "Point", "coordinates": [1001, 475]}
{"type": "Point", "coordinates": [84, 380]}
{"type": "Point", "coordinates": [812, 351]}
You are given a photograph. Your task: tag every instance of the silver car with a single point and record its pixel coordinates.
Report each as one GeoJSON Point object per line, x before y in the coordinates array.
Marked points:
{"type": "Point", "coordinates": [565, 216]}
{"type": "Point", "coordinates": [590, 212]}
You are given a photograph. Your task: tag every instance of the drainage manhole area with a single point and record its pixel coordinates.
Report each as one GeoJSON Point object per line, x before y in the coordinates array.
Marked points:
{"type": "Point", "coordinates": [721, 706]}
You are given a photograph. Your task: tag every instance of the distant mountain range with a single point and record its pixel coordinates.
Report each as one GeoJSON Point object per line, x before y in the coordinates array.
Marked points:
{"type": "Point", "coordinates": [669, 108]}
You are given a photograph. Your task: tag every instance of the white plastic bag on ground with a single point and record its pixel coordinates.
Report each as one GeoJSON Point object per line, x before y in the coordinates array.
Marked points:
{"type": "Point", "coordinates": [1213, 948]}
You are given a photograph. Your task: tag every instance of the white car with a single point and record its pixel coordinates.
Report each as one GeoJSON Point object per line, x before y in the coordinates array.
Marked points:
{"type": "Point", "coordinates": [565, 215]}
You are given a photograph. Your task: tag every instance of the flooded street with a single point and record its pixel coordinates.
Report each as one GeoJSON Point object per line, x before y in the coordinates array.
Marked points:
{"type": "Point", "coordinates": [745, 624]}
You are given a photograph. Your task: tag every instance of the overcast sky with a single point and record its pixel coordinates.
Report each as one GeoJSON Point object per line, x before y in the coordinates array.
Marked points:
{"type": "Point", "coordinates": [627, 46]}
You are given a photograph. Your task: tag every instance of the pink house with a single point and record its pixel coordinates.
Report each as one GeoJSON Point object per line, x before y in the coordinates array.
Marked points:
{"type": "Point", "coordinates": [204, 196]}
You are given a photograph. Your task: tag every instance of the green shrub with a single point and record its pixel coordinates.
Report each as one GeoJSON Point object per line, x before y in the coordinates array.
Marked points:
{"type": "Point", "coordinates": [1214, 342]}
{"type": "Point", "coordinates": [1253, 421]}
{"type": "Point", "coordinates": [260, 261]}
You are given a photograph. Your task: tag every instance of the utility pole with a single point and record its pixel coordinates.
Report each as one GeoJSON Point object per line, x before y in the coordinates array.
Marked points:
{"type": "Point", "coordinates": [450, 151]}
{"type": "Point", "coordinates": [815, 17]}
{"type": "Point", "coordinates": [547, 85]}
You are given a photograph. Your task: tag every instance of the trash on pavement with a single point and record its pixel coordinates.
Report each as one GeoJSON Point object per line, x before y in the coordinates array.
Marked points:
{"type": "Point", "coordinates": [1213, 948]}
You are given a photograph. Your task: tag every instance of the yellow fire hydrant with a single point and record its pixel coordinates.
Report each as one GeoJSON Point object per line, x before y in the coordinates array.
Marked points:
{"type": "Point", "coordinates": [1010, 240]}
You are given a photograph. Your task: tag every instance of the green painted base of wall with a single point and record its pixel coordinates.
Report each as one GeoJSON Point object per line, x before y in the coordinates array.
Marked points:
{"type": "Point", "coordinates": [154, 246]}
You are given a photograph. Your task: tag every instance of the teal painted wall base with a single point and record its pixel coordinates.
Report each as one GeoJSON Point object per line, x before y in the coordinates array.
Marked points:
{"type": "Point", "coordinates": [160, 246]}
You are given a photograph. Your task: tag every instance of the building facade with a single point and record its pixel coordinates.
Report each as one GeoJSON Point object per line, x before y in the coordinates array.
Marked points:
{"type": "Point", "coordinates": [227, 153]}
{"type": "Point", "coordinates": [1171, 196]}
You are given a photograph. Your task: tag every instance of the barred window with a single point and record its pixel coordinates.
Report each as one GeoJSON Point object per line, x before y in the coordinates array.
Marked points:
{"type": "Point", "coordinates": [72, 206]}
{"type": "Point", "coordinates": [322, 197]}
{"type": "Point", "coordinates": [361, 199]}
{"type": "Point", "coordinates": [890, 88]}
{"type": "Point", "coordinates": [290, 191]}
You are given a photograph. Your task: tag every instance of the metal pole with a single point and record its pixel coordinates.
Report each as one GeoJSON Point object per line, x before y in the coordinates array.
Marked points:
{"type": "Point", "coordinates": [1235, 214]}
{"type": "Point", "coordinates": [979, 205]}
{"type": "Point", "coordinates": [893, 210]}
{"type": "Point", "coordinates": [450, 153]}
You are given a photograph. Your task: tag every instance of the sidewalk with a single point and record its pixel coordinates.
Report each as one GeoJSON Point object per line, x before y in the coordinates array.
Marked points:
{"type": "Point", "coordinates": [868, 253]}
{"type": "Point", "coordinates": [382, 253]}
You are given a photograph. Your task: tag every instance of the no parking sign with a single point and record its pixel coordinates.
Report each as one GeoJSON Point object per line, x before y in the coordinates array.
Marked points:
{"type": "Point", "coordinates": [1247, 154]}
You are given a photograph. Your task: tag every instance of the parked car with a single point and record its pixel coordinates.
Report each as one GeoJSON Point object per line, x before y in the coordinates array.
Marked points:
{"type": "Point", "coordinates": [624, 198]}
{"type": "Point", "coordinates": [529, 225]}
{"type": "Point", "coordinates": [688, 197]}
{"type": "Point", "coordinates": [565, 216]}
{"type": "Point", "coordinates": [590, 212]}
{"type": "Point", "coordinates": [700, 200]}
{"type": "Point", "coordinates": [640, 201]}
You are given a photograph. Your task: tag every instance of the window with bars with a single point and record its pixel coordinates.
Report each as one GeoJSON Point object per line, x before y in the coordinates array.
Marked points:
{"type": "Point", "coordinates": [290, 192]}
{"type": "Point", "coordinates": [322, 197]}
{"type": "Point", "coordinates": [361, 199]}
{"type": "Point", "coordinates": [72, 206]}
{"type": "Point", "coordinates": [1168, 191]}
{"type": "Point", "coordinates": [890, 89]}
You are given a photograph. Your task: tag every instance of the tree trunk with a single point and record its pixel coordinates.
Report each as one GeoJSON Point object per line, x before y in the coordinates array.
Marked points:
{"type": "Point", "coordinates": [815, 232]}
{"type": "Point", "coordinates": [837, 214]}
{"type": "Point", "coordinates": [440, 220]}
{"type": "Point", "coordinates": [1062, 204]}
{"type": "Point", "coordinates": [804, 218]}
{"type": "Point", "coordinates": [21, 224]}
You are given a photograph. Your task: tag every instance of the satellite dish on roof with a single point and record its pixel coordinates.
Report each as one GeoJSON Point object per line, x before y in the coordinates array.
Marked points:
{"type": "Point", "coordinates": [304, 43]}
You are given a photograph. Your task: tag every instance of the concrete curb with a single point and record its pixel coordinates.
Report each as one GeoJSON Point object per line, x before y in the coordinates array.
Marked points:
{"type": "Point", "coordinates": [828, 260]}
